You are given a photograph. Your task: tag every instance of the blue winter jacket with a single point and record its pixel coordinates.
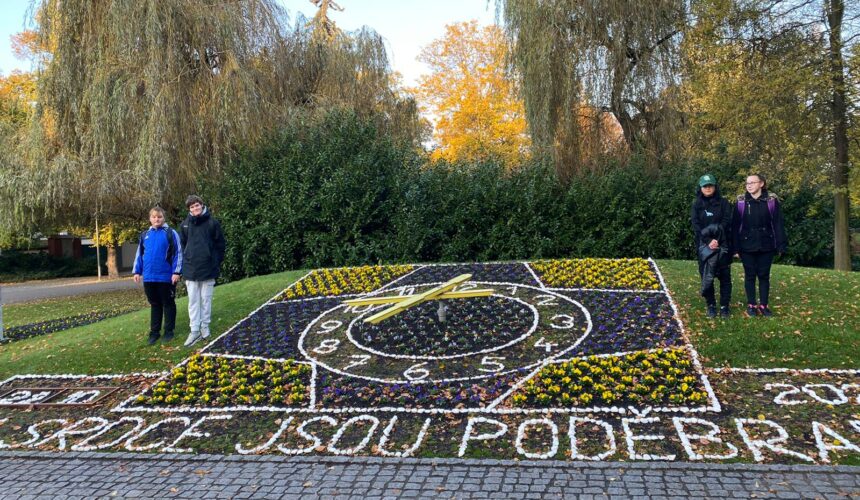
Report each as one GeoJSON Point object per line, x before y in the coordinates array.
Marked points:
{"type": "Point", "coordinates": [152, 259]}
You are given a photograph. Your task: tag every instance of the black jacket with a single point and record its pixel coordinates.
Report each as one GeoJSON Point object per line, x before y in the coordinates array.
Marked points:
{"type": "Point", "coordinates": [203, 247]}
{"type": "Point", "coordinates": [761, 232]}
{"type": "Point", "coordinates": [708, 211]}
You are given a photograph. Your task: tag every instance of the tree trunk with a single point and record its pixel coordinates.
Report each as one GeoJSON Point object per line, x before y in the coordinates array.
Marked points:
{"type": "Point", "coordinates": [112, 266]}
{"type": "Point", "coordinates": [841, 231]}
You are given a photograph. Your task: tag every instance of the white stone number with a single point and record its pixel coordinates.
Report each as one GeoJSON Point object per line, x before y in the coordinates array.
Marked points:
{"type": "Point", "coordinates": [493, 363]}
{"type": "Point", "coordinates": [330, 326]}
{"type": "Point", "coordinates": [415, 372]}
{"type": "Point", "coordinates": [410, 290]}
{"type": "Point", "coordinates": [24, 397]}
{"type": "Point", "coordinates": [359, 309]}
{"type": "Point", "coordinates": [546, 345]}
{"type": "Point", "coordinates": [358, 360]}
{"type": "Point", "coordinates": [513, 289]}
{"type": "Point", "coordinates": [81, 397]}
{"type": "Point", "coordinates": [564, 320]}
{"type": "Point", "coordinates": [465, 286]}
{"type": "Point", "coordinates": [547, 300]}
{"type": "Point", "coordinates": [327, 346]}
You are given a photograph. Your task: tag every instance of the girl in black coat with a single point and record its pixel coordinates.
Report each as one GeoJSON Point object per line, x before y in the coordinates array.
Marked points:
{"type": "Point", "coordinates": [711, 217]}
{"type": "Point", "coordinates": [759, 233]}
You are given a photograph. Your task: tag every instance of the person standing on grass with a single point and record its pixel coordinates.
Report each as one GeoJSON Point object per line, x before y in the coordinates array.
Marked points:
{"type": "Point", "coordinates": [711, 217]}
{"type": "Point", "coordinates": [203, 247]}
{"type": "Point", "coordinates": [158, 263]}
{"type": "Point", "coordinates": [759, 234]}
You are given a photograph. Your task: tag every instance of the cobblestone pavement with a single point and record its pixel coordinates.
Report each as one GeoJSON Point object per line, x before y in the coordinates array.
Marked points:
{"type": "Point", "coordinates": [89, 475]}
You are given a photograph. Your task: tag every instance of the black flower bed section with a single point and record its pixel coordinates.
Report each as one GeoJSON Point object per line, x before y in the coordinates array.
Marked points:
{"type": "Point", "coordinates": [273, 331]}
{"type": "Point", "coordinates": [656, 378]}
{"type": "Point", "coordinates": [512, 272]}
{"type": "Point", "coordinates": [57, 325]}
{"type": "Point", "coordinates": [335, 391]}
{"type": "Point", "coordinates": [213, 381]}
{"type": "Point", "coordinates": [625, 322]}
{"type": "Point", "coordinates": [470, 325]}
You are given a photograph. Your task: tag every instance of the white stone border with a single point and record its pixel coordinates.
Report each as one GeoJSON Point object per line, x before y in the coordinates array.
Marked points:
{"type": "Point", "coordinates": [798, 371]}
{"type": "Point", "coordinates": [540, 364]}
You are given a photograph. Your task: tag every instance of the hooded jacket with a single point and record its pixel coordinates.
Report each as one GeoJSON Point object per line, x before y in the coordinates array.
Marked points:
{"type": "Point", "coordinates": [203, 246]}
{"type": "Point", "coordinates": [154, 259]}
{"type": "Point", "coordinates": [711, 210]}
{"type": "Point", "coordinates": [761, 232]}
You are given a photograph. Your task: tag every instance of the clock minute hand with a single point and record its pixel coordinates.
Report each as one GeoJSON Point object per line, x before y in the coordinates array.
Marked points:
{"type": "Point", "coordinates": [394, 299]}
{"type": "Point", "coordinates": [417, 299]}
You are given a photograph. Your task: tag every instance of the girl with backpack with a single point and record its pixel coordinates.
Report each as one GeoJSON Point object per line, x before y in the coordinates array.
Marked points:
{"type": "Point", "coordinates": [759, 233]}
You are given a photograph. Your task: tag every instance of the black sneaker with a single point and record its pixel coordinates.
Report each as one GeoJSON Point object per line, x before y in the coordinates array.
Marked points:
{"type": "Point", "coordinates": [724, 312]}
{"type": "Point", "coordinates": [153, 338]}
{"type": "Point", "coordinates": [765, 311]}
{"type": "Point", "coordinates": [752, 310]}
{"type": "Point", "coordinates": [712, 311]}
{"type": "Point", "coordinates": [168, 336]}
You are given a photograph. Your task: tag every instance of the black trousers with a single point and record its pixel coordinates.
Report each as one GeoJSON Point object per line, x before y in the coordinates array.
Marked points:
{"type": "Point", "coordinates": [162, 298]}
{"type": "Point", "coordinates": [723, 274]}
{"type": "Point", "coordinates": [757, 265]}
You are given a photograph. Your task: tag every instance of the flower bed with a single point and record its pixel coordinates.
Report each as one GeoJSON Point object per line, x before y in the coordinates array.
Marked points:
{"type": "Point", "coordinates": [344, 280]}
{"type": "Point", "coordinates": [513, 272]}
{"type": "Point", "coordinates": [655, 378]}
{"type": "Point", "coordinates": [218, 381]}
{"type": "Point", "coordinates": [57, 325]}
{"type": "Point", "coordinates": [273, 331]}
{"type": "Point", "coordinates": [630, 274]}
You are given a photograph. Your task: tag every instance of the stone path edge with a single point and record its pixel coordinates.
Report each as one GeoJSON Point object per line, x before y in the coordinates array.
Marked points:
{"type": "Point", "coordinates": [545, 464]}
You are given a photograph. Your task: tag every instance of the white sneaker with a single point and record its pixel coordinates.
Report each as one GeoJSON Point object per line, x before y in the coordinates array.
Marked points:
{"type": "Point", "coordinates": [204, 333]}
{"type": "Point", "coordinates": [192, 338]}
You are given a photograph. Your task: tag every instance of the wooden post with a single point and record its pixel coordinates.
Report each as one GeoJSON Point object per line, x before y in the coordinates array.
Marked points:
{"type": "Point", "coordinates": [98, 253]}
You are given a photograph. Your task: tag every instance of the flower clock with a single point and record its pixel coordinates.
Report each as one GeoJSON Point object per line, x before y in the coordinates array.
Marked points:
{"type": "Point", "coordinates": [559, 335]}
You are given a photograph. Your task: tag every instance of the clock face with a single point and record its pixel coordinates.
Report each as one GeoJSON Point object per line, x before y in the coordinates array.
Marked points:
{"type": "Point", "coordinates": [516, 329]}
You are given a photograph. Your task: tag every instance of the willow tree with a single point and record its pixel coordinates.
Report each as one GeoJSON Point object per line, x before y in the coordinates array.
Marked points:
{"type": "Point", "coordinates": [619, 56]}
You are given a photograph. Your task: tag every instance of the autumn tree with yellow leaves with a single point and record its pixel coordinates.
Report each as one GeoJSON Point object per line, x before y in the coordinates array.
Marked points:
{"type": "Point", "coordinates": [473, 102]}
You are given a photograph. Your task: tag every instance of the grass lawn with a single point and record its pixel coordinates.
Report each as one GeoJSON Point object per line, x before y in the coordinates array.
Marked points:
{"type": "Point", "coordinates": [817, 325]}
{"type": "Point", "coordinates": [118, 345]}
{"type": "Point", "coordinates": [816, 322]}
{"type": "Point", "coordinates": [63, 307]}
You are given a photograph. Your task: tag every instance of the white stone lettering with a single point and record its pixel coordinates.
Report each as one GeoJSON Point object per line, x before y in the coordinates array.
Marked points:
{"type": "Point", "coordinates": [33, 431]}
{"type": "Point", "coordinates": [710, 437]}
{"type": "Point", "coordinates": [73, 430]}
{"type": "Point", "coordinates": [824, 448]}
{"type": "Point", "coordinates": [81, 397]}
{"type": "Point", "coordinates": [316, 442]}
{"type": "Point", "coordinates": [756, 445]}
{"type": "Point", "coordinates": [574, 442]}
{"type": "Point", "coordinates": [632, 438]}
{"type": "Point", "coordinates": [130, 446]}
{"type": "Point", "coordinates": [192, 432]}
{"type": "Point", "coordinates": [85, 444]}
{"type": "Point", "coordinates": [782, 397]}
{"type": "Point", "coordinates": [468, 436]}
{"type": "Point", "coordinates": [360, 446]}
{"type": "Point", "coordinates": [839, 395]}
{"type": "Point", "coordinates": [386, 433]}
{"type": "Point", "coordinates": [521, 434]}
{"type": "Point", "coordinates": [265, 446]}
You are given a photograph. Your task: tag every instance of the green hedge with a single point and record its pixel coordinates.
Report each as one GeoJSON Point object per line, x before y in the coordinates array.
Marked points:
{"type": "Point", "coordinates": [337, 193]}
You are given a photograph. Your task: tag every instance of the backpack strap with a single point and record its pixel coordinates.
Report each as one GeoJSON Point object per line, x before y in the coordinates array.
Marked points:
{"type": "Point", "coordinates": [741, 207]}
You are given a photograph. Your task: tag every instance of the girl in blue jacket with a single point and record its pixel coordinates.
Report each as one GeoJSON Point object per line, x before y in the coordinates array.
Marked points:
{"type": "Point", "coordinates": [158, 263]}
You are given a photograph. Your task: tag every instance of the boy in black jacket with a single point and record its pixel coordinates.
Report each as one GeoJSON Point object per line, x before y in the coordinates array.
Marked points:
{"type": "Point", "coordinates": [711, 217]}
{"type": "Point", "coordinates": [203, 248]}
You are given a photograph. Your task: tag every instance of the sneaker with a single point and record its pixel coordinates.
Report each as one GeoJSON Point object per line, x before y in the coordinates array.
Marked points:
{"type": "Point", "coordinates": [752, 310]}
{"type": "Point", "coordinates": [168, 336]}
{"type": "Point", "coordinates": [765, 311]}
{"type": "Point", "coordinates": [724, 312]}
{"type": "Point", "coordinates": [153, 338]}
{"type": "Point", "coordinates": [712, 311]}
{"type": "Point", "coordinates": [204, 333]}
{"type": "Point", "coordinates": [192, 338]}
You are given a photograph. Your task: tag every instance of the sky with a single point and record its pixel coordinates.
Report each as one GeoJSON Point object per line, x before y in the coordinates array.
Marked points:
{"type": "Point", "coordinates": [406, 25]}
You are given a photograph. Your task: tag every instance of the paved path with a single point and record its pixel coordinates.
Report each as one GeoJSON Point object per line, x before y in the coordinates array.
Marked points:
{"type": "Point", "coordinates": [124, 475]}
{"type": "Point", "coordinates": [35, 290]}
